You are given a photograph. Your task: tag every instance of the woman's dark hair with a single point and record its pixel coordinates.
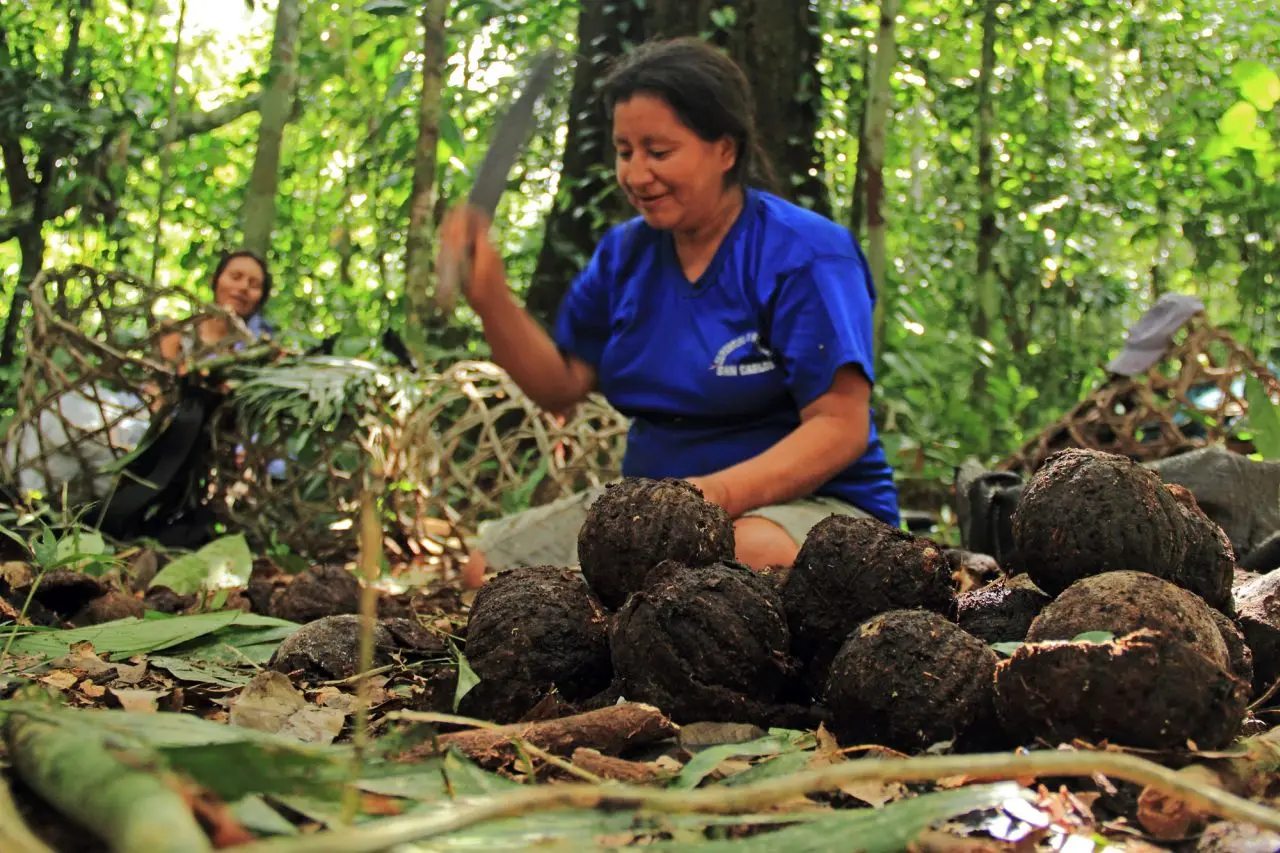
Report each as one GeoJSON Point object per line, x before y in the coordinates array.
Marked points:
{"type": "Point", "coordinates": [244, 253]}
{"type": "Point", "coordinates": [707, 91]}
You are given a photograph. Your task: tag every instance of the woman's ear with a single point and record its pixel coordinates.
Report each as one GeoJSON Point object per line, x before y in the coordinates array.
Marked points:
{"type": "Point", "coordinates": [727, 149]}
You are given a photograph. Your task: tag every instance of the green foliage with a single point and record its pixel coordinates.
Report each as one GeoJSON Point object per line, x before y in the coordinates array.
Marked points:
{"type": "Point", "coordinates": [243, 765]}
{"type": "Point", "coordinates": [1264, 420]}
{"type": "Point", "coordinates": [467, 678]}
{"type": "Point", "coordinates": [778, 742]}
{"type": "Point", "coordinates": [224, 563]}
{"type": "Point", "coordinates": [1129, 161]}
{"type": "Point", "coordinates": [125, 637]}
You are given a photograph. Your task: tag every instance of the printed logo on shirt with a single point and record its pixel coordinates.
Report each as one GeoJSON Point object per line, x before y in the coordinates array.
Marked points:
{"type": "Point", "coordinates": [756, 361]}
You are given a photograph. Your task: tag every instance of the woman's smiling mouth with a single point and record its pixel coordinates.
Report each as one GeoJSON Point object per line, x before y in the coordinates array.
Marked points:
{"type": "Point", "coordinates": [649, 202]}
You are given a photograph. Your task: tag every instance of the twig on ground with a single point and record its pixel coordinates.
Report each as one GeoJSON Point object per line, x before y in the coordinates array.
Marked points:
{"type": "Point", "coordinates": [1265, 697]}
{"type": "Point", "coordinates": [617, 769]}
{"type": "Point", "coordinates": [760, 795]}
{"type": "Point", "coordinates": [555, 761]}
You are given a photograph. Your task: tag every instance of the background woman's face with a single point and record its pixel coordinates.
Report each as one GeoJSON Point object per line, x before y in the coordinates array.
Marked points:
{"type": "Point", "coordinates": [240, 286]}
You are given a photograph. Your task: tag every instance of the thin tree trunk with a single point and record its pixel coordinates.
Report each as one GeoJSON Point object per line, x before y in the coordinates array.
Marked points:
{"type": "Point", "coordinates": [31, 244]}
{"type": "Point", "coordinates": [987, 303]}
{"type": "Point", "coordinates": [586, 201]}
{"type": "Point", "coordinates": [858, 204]}
{"type": "Point", "coordinates": [275, 108]}
{"type": "Point", "coordinates": [417, 255]}
{"type": "Point", "coordinates": [877, 114]}
{"type": "Point", "coordinates": [166, 152]}
{"type": "Point", "coordinates": [26, 189]}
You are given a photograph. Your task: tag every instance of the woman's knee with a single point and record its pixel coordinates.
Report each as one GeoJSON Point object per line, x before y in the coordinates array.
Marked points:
{"type": "Point", "coordinates": [761, 544]}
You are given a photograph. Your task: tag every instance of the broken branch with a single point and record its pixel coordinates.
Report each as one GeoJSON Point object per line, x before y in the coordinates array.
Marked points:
{"type": "Point", "coordinates": [609, 730]}
{"type": "Point", "coordinates": [616, 769]}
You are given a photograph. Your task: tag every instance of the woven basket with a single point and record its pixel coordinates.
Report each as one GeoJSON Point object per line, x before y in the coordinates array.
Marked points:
{"type": "Point", "coordinates": [91, 380]}
{"type": "Point", "coordinates": [486, 449]}
{"type": "Point", "coordinates": [453, 448]}
{"type": "Point", "coordinates": [1193, 397]}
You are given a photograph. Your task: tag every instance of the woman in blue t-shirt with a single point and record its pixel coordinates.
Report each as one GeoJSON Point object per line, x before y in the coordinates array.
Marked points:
{"type": "Point", "coordinates": [731, 326]}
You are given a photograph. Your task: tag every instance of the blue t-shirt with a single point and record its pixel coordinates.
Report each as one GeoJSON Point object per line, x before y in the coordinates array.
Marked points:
{"type": "Point", "coordinates": [716, 371]}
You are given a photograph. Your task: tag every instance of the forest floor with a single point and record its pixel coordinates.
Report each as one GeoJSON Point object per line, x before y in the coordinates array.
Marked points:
{"type": "Point", "coordinates": [148, 707]}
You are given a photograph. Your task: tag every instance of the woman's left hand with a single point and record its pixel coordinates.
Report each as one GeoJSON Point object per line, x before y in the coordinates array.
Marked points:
{"type": "Point", "coordinates": [711, 490]}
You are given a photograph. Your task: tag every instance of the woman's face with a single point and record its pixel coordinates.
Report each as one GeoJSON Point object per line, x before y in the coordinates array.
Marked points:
{"type": "Point", "coordinates": [674, 178]}
{"type": "Point", "coordinates": [239, 288]}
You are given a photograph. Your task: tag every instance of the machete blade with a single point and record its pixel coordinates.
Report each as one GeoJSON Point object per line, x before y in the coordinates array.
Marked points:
{"type": "Point", "coordinates": [491, 179]}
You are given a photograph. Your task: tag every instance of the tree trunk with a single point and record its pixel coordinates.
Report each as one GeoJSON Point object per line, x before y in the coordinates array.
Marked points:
{"type": "Point", "coordinates": [417, 250]}
{"type": "Point", "coordinates": [988, 232]}
{"type": "Point", "coordinates": [275, 108]}
{"type": "Point", "coordinates": [30, 190]}
{"type": "Point", "coordinates": [776, 42]}
{"type": "Point", "coordinates": [40, 192]}
{"type": "Point", "coordinates": [877, 117]}
{"type": "Point", "coordinates": [858, 204]}
{"type": "Point", "coordinates": [32, 245]}
{"type": "Point", "coordinates": [586, 201]}
{"type": "Point", "coordinates": [166, 153]}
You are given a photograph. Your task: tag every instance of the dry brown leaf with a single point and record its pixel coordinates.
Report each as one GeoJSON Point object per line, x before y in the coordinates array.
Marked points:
{"type": "Point", "coordinates": [126, 674]}
{"type": "Point", "coordinates": [8, 613]}
{"type": "Point", "coordinates": [137, 701]}
{"type": "Point", "coordinates": [381, 805]}
{"type": "Point", "coordinates": [731, 767]}
{"type": "Point", "coordinates": [270, 703]}
{"type": "Point", "coordinates": [84, 660]}
{"type": "Point", "coordinates": [828, 751]}
{"type": "Point", "coordinates": [16, 574]}
{"type": "Point", "coordinates": [873, 792]}
{"type": "Point", "coordinates": [315, 725]}
{"type": "Point", "coordinates": [91, 690]}
{"type": "Point", "coordinates": [60, 679]}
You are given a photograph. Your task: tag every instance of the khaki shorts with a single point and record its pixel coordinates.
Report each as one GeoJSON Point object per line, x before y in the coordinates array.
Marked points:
{"type": "Point", "coordinates": [548, 534]}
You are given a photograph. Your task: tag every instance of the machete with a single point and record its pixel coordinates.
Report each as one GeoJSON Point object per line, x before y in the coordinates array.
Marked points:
{"type": "Point", "coordinates": [511, 136]}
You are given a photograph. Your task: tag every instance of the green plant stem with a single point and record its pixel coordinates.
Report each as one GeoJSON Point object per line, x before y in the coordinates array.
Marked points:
{"type": "Point", "coordinates": [114, 796]}
{"type": "Point", "coordinates": [15, 837]}
{"type": "Point", "coordinates": [26, 605]}
{"type": "Point", "coordinates": [761, 795]}
{"type": "Point", "coordinates": [370, 543]}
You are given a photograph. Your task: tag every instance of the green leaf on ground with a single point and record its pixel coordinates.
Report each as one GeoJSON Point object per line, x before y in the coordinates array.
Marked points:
{"type": "Point", "coordinates": [131, 636]}
{"type": "Point", "coordinates": [232, 761]}
{"type": "Point", "coordinates": [706, 761]}
{"type": "Point", "coordinates": [467, 678]}
{"type": "Point", "coordinates": [225, 563]}
{"type": "Point", "coordinates": [235, 645]}
{"type": "Point", "coordinates": [201, 671]}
